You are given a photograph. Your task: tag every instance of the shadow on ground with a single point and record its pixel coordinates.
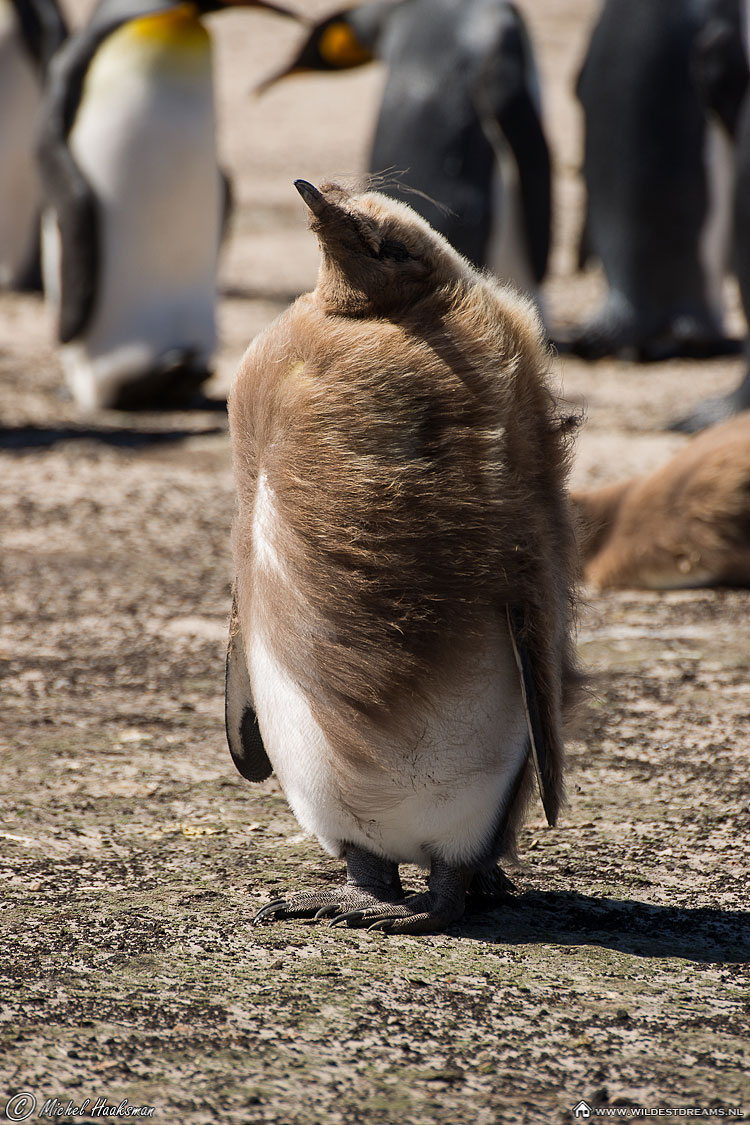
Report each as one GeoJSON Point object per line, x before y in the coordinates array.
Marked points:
{"type": "Point", "coordinates": [20, 438]}
{"type": "Point", "coordinates": [639, 928]}
{"type": "Point", "coordinates": [277, 296]}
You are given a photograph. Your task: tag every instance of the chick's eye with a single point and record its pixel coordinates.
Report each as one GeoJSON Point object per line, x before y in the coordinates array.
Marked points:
{"type": "Point", "coordinates": [394, 251]}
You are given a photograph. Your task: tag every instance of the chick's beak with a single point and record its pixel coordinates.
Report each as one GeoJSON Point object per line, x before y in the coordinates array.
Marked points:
{"type": "Point", "coordinates": [314, 199]}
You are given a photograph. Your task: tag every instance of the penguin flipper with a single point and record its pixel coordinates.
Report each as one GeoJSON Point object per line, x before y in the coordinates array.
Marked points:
{"type": "Point", "coordinates": [720, 70]}
{"type": "Point", "coordinates": [227, 203]}
{"type": "Point", "coordinates": [505, 102]}
{"type": "Point", "coordinates": [585, 250]}
{"type": "Point", "coordinates": [42, 27]}
{"type": "Point", "coordinates": [243, 732]}
{"type": "Point", "coordinates": [538, 735]}
{"type": "Point", "coordinates": [66, 189]}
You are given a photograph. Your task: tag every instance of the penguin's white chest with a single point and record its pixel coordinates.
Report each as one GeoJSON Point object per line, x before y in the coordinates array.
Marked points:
{"type": "Point", "coordinates": [145, 140]}
{"type": "Point", "coordinates": [20, 98]}
{"type": "Point", "coordinates": [444, 783]}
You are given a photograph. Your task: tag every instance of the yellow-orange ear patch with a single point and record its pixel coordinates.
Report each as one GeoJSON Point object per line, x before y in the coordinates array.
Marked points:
{"type": "Point", "coordinates": [340, 47]}
{"type": "Point", "coordinates": [180, 25]}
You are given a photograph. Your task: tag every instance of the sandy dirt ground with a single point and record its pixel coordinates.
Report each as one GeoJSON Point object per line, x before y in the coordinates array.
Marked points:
{"type": "Point", "coordinates": [133, 855]}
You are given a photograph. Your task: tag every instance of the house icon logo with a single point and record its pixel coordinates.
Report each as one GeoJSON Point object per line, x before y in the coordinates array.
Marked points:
{"type": "Point", "coordinates": [582, 1111]}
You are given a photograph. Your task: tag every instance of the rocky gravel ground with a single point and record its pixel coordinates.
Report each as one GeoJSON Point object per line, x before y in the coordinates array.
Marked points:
{"type": "Point", "coordinates": [134, 857]}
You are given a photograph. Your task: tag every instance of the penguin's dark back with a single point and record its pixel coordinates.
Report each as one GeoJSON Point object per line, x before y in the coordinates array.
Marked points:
{"type": "Point", "coordinates": [428, 129]}
{"type": "Point", "coordinates": [742, 206]}
{"type": "Point", "coordinates": [644, 142]}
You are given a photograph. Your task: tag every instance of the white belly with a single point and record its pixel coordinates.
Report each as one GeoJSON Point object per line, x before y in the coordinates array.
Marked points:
{"type": "Point", "coordinates": [445, 785]}
{"type": "Point", "coordinates": [20, 98]}
{"type": "Point", "coordinates": [144, 138]}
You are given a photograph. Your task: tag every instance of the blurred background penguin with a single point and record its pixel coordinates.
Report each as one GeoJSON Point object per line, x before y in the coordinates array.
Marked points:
{"type": "Point", "coordinates": [719, 408]}
{"type": "Point", "coordinates": [135, 202]}
{"type": "Point", "coordinates": [30, 32]}
{"type": "Point", "coordinates": [660, 87]}
{"type": "Point", "coordinates": [459, 133]}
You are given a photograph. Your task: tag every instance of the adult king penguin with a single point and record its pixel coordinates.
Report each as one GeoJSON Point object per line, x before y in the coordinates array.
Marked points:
{"type": "Point", "coordinates": [136, 199]}
{"type": "Point", "coordinates": [659, 88]}
{"type": "Point", "coordinates": [459, 124]}
{"type": "Point", "coordinates": [400, 648]}
{"type": "Point", "coordinates": [30, 32]}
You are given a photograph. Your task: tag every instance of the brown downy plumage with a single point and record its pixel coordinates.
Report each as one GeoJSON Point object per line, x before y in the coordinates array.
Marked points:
{"type": "Point", "coordinates": [400, 475]}
{"type": "Point", "coordinates": [686, 524]}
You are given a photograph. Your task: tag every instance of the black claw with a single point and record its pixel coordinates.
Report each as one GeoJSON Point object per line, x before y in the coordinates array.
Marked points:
{"type": "Point", "coordinates": [350, 915]}
{"type": "Point", "coordinates": [275, 907]}
{"type": "Point", "coordinates": [325, 911]}
{"type": "Point", "coordinates": [384, 925]}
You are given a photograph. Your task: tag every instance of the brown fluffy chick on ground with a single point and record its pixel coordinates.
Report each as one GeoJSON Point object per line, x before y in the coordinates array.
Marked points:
{"type": "Point", "coordinates": [686, 524]}
{"type": "Point", "coordinates": [400, 651]}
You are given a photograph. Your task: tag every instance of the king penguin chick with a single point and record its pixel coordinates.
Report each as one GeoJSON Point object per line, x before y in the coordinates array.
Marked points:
{"type": "Point", "coordinates": [459, 124]}
{"type": "Point", "coordinates": [685, 524]}
{"type": "Point", "coordinates": [400, 650]}
{"type": "Point", "coordinates": [660, 89]}
{"type": "Point", "coordinates": [135, 202]}
{"type": "Point", "coordinates": [30, 32]}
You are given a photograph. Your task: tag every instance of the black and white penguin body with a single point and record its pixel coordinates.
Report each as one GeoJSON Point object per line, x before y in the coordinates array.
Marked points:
{"type": "Point", "coordinates": [459, 134]}
{"type": "Point", "coordinates": [136, 200]}
{"type": "Point", "coordinates": [30, 32]}
{"type": "Point", "coordinates": [404, 561]}
{"type": "Point", "coordinates": [658, 169]}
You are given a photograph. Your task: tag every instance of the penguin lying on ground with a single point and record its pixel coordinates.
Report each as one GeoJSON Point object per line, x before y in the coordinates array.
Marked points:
{"type": "Point", "coordinates": [459, 123]}
{"type": "Point", "coordinates": [136, 199]}
{"type": "Point", "coordinates": [400, 651]}
{"type": "Point", "coordinates": [660, 89]}
{"type": "Point", "coordinates": [30, 32]}
{"type": "Point", "coordinates": [686, 524]}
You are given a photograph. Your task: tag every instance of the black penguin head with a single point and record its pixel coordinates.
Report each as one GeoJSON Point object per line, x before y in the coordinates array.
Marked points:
{"type": "Point", "coordinates": [379, 256]}
{"type": "Point", "coordinates": [341, 41]}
